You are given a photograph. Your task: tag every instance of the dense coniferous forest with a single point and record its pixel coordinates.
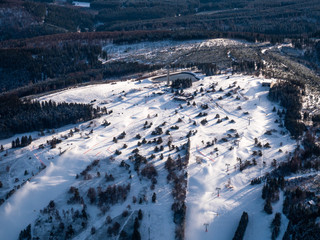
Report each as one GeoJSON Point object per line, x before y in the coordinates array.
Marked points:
{"type": "Point", "coordinates": [127, 37]}
{"type": "Point", "coordinates": [301, 206]}
{"type": "Point", "coordinates": [29, 66]}
{"type": "Point", "coordinates": [289, 94]}
{"type": "Point", "coordinates": [18, 117]}
{"type": "Point", "coordinates": [109, 70]}
{"type": "Point", "coordinates": [302, 215]}
{"type": "Point", "coordinates": [45, 18]}
{"type": "Point", "coordinates": [223, 16]}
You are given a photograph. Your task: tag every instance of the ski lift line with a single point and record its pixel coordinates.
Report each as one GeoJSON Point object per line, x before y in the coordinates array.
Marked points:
{"type": "Point", "coordinates": [87, 151]}
{"type": "Point", "coordinates": [204, 154]}
{"type": "Point", "coordinates": [227, 112]}
{"type": "Point", "coordinates": [40, 160]}
{"type": "Point", "coordinates": [36, 156]}
{"type": "Point", "coordinates": [125, 223]}
{"type": "Point", "coordinates": [108, 149]}
{"type": "Point", "coordinates": [220, 107]}
{"type": "Point", "coordinates": [182, 118]}
{"type": "Point", "coordinates": [90, 149]}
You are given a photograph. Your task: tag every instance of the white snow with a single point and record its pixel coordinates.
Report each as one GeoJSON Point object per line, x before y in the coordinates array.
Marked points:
{"type": "Point", "coordinates": [133, 103]}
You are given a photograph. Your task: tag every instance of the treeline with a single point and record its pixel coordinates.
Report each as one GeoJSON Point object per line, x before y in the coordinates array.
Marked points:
{"type": "Point", "coordinates": [111, 195]}
{"type": "Point", "coordinates": [109, 71]}
{"type": "Point", "coordinates": [271, 190]}
{"type": "Point", "coordinates": [301, 160]}
{"type": "Point", "coordinates": [178, 177]}
{"type": "Point", "coordinates": [248, 67]}
{"type": "Point", "coordinates": [181, 83]}
{"type": "Point", "coordinates": [301, 206]}
{"type": "Point", "coordinates": [119, 68]}
{"type": "Point", "coordinates": [18, 117]}
{"type": "Point", "coordinates": [25, 141]}
{"type": "Point", "coordinates": [289, 93]}
{"type": "Point", "coordinates": [124, 37]}
{"type": "Point", "coordinates": [210, 69]}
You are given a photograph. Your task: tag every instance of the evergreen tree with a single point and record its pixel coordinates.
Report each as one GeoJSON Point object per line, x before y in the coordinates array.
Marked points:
{"type": "Point", "coordinates": [123, 235]}
{"type": "Point", "coordinates": [239, 234]}
{"type": "Point", "coordinates": [30, 139]}
{"type": "Point", "coordinates": [61, 226]}
{"type": "Point", "coordinates": [136, 224]}
{"type": "Point", "coordinates": [136, 235]}
{"type": "Point", "coordinates": [24, 141]}
{"type": "Point", "coordinates": [92, 195]}
{"type": "Point", "coordinates": [69, 232]}
{"type": "Point", "coordinates": [268, 207]}
{"type": "Point", "coordinates": [154, 197]}
{"type": "Point", "coordinates": [17, 142]}
{"type": "Point", "coordinates": [275, 226]}
{"type": "Point", "coordinates": [140, 214]}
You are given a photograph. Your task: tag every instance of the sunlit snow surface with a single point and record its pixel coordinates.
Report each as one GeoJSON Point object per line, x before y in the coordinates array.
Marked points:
{"type": "Point", "coordinates": [135, 102]}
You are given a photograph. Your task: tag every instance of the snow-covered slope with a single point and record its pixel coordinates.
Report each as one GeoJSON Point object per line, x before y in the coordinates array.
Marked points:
{"type": "Point", "coordinates": [223, 212]}
{"type": "Point", "coordinates": [241, 98]}
{"type": "Point", "coordinates": [167, 51]}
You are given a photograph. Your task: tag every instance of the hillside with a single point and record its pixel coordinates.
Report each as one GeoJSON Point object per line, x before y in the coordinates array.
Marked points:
{"type": "Point", "coordinates": [219, 127]}
{"type": "Point", "coordinates": [25, 19]}
{"type": "Point", "coordinates": [148, 119]}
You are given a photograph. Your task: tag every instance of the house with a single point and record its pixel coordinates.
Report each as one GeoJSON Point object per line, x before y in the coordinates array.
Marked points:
{"type": "Point", "coordinates": [81, 4]}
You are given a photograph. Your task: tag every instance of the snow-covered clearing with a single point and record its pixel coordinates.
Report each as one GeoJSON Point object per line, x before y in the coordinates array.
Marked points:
{"type": "Point", "coordinates": [166, 51]}
{"type": "Point", "coordinates": [133, 103]}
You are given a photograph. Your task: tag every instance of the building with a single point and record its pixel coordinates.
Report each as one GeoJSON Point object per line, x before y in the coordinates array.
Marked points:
{"type": "Point", "coordinates": [81, 4]}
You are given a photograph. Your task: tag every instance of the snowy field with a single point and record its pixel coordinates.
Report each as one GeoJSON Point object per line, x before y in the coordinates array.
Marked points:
{"type": "Point", "coordinates": [168, 51]}
{"type": "Point", "coordinates": [238, 111]}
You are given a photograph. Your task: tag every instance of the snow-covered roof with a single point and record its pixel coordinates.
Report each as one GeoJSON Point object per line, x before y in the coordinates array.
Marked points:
{"type": "Point", "coordinates": [81, 4]}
